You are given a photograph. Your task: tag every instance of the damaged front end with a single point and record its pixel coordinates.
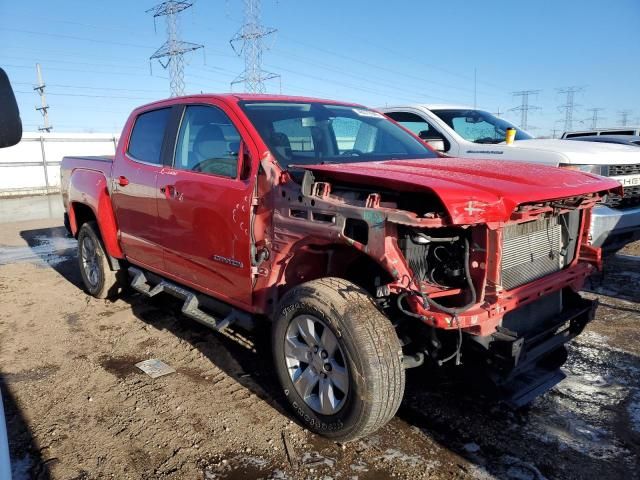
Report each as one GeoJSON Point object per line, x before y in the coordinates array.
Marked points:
{"type": "Point", "coordinates": [497, 294]}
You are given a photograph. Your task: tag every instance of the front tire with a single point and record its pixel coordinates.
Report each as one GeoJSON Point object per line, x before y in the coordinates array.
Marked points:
{"type": "Point", "coordinates": [98, 278]}
{"type": "Point", "coordinates": [338, 359]}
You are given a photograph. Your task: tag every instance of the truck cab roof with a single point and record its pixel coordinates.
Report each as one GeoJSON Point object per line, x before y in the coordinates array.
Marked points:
{"type": "Point", "coordinates": [246, 97]}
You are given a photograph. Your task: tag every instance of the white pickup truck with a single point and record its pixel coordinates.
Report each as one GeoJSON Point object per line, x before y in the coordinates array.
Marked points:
{"type": "Point", "coordinates": [467, 132]}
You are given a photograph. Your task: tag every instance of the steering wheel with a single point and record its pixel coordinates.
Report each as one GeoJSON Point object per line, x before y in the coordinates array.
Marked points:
{"type": "Point", "coordinates": [214, 166]}
{"type": "Point", "coordinates": [352, 152]}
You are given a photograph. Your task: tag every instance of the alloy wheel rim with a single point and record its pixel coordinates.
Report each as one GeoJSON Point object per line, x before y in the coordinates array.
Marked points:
{"type": "Point", "coordinates": [89, 257]}
{"type": "Point", "coordinates": [316, 364]}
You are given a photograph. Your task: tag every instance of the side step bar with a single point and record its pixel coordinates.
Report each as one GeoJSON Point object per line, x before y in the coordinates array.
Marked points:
{"type": "Point", "coordinates": [191, 305]}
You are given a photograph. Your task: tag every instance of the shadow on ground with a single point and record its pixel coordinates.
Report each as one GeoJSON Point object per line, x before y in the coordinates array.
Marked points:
{"type": "Point", "coordinates": [27, 460]}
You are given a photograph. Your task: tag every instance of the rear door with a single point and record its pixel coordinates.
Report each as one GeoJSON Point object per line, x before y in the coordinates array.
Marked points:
{"type": "Point", "coordinates": [134, 189]}
{"type": "Point", "coordinates": [204, 207]}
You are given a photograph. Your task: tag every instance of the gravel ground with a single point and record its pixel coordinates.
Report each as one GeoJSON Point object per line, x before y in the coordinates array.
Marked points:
{"type": "Point", "coordinates": [78, 408]}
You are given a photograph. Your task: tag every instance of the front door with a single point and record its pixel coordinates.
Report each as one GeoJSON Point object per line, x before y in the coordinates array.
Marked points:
{"type": "Point", "coordinates": [134, 191]}
{"type": "Point", "coordinates": [204, 207]}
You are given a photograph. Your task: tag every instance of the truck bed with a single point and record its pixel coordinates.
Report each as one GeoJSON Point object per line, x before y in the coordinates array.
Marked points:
{"type": "Point", "coordinates": [99, 165]}
{"type": "Point", "coordinates": [95, 158]}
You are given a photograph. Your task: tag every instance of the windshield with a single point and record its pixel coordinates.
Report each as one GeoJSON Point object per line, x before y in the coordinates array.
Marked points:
{"type": "Point", "coordinates": [479, 126]}
{"type": "Point", "coordinates": [311, 133]}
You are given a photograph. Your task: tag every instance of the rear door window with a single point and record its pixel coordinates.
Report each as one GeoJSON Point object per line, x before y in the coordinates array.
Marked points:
{"type": "Point", "coordinates": [147, 136]}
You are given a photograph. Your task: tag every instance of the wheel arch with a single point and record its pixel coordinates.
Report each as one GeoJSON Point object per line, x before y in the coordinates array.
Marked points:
{"type": "Point", "coordinates": [311, 262]}
{"type": "Point", "coordinates": [89, 200]}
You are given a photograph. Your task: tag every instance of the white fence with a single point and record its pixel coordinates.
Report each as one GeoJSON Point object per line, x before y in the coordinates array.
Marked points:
{"type": "Point", "coordinates": [33, 165]}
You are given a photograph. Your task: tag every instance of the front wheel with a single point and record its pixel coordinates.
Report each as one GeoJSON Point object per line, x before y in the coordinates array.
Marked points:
{"type": "Point", "coordinates": [338, 359]}
{"type": "Point", "coordinates": [98, 278]}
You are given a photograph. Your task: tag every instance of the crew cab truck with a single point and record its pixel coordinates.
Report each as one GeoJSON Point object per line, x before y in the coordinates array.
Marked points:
{"type": "Point", "coordinates": [472, 133]}
{"type": "Point", "coordinates": [368, 252]}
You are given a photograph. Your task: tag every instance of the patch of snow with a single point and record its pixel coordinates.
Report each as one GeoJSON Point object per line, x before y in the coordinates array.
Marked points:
{"type": "Point", "coordinates": [392, 455]}
{"type": "Point", "coordinates": [314, 459]}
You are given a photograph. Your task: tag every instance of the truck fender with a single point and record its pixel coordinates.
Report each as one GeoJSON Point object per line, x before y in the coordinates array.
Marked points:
{"type": "Point", "coordinates": [89, 188]}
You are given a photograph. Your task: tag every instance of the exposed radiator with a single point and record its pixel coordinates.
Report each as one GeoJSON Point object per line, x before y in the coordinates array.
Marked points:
{"type": "Point", "coordinates": [530, 251]}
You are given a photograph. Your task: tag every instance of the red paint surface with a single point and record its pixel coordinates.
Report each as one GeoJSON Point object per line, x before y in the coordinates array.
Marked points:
{"type": "Point", "coordinates": [494, 187]}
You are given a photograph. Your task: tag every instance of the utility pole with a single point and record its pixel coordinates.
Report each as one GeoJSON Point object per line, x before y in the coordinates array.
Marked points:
{"type": "Point", "coordinates": [594, 116]}
{"type": "Point", "coordinates": [173, 49]}
{"type": "Point", "coordinates": [569, 106]}
{"type": "Point", "coordinates": [624, 117]}
{"type": "Point", "coordinates": [251, 39]}
{"type": "Point", "coordinates": [524, 106]}
{"type": "Point", "coordinates": [44, 107]}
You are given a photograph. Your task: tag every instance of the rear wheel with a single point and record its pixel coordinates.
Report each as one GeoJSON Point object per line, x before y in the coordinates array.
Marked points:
{"type": "Point", "coordinates": [98, 278]}
{"type": "Point", "coordinates": [338, 359]}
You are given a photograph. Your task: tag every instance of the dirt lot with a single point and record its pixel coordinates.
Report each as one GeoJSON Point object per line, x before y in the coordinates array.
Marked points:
{"type": "Point", "coordinates": [77, 408]}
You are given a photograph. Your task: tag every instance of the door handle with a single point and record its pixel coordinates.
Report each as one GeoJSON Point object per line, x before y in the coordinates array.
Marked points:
{"type": "Point", "coordinates": [171, 192]}
{"type": "Point", "coordinates": [123, 181]}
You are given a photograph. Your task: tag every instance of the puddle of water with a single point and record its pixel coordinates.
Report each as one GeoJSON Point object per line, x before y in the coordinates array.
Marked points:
{"type": "Point", "coordinates": [45, 251]}
{"type": "Point", "coordinates": [582, 412]}
{"type": "Point", "coordinates": [516, 469]}
{"type": "Point", "coordinates": [634, 412]}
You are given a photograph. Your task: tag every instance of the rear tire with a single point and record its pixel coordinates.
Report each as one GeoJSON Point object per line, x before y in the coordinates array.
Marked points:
{"type": "Point", "coordinates": [333, 321]}
{"type": "Point", "coordinates": [98, 278]}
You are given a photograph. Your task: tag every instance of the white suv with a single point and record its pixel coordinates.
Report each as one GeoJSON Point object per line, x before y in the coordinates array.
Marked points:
{"type": "Point", "coordinates": [466, 132]}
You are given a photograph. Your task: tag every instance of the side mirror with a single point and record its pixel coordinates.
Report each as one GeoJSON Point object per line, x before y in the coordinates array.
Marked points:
{"type": "Point", "coordinates": [10, 123]}
{"type": "Point", "coordinates": [436, 143]}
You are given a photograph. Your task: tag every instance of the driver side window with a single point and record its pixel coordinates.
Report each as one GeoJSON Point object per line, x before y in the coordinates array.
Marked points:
{"type": "Point", "coordinates": [207, 142]}
{"type": "Point", "coordinates": [419, 126]}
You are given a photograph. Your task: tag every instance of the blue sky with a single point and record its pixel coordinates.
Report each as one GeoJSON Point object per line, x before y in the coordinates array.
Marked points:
{"type": "Point", "coordinates": [94, 55]}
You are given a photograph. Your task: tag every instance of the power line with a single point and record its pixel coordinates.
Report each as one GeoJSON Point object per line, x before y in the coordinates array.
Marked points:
{"type": "Point", "coordinates": [251, 37]}
{"type": "Point", "coordinates": [94, 96]}
{"type": "Point", "coordinates": [174, 48]}
{"type": "Point", "coordinates": [44, 106]}
{"type": "Point", "coordinates": [73, 37]}
{"type": "Point", "coordinates": [570, 105]}
{"type": "Point", "coordinates": [110, 72]}
{"type": "Point", "coordinates": [594, 116]}
{"type": "Point", "coordinates": [624, 117]}
{"type": "Point", "coordinates": [524, 106]}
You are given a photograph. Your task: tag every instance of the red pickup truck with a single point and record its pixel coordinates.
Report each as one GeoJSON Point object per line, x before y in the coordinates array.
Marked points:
{"type": "Point", "coordinates": [367, 251]}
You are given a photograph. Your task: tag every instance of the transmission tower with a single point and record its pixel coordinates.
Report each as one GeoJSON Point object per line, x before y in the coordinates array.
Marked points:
{"type": "Point", "coordinates": [624, 117]}
{"type": "Point", "coordinates": [595, 116]}
{"type": "Point", "coordinates": [249, 42]}
{"type": "Point", "coordinates": [44, 107]}
{"type": "Point", "coordinates": [524, 106]}
{"type": "Point", "coordinates": [173, 49]}
{"type": "Point", "coordinates": [569, 106]}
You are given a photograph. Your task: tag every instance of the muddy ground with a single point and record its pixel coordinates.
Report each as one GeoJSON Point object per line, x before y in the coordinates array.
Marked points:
{"type": "Point", "coordinates": [77, 408]}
